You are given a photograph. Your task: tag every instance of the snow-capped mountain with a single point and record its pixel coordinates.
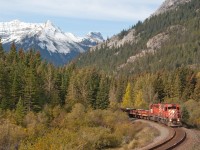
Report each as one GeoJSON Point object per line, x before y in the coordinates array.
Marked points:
{"type": "Point", "coordinates": [53, 44]}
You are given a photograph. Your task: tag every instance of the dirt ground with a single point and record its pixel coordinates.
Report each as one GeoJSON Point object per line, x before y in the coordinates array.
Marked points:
{"type": "Point", "coordinates": [192, 141]}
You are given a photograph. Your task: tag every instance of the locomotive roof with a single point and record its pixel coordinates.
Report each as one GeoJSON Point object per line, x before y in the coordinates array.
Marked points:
{"type": "Point", "coordinates": [165, 104]}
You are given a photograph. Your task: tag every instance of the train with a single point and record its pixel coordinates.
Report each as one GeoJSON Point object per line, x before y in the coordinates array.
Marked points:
{"type": "Point", "coordinates": [168, 114]}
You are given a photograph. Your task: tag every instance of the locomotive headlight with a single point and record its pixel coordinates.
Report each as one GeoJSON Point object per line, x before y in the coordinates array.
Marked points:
{"type": "Point", "coordinates": [170, 120]}
{"type": "Point", "coordinates": [178, 119]}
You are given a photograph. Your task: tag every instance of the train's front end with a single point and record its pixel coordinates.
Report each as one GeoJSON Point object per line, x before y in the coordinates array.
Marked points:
{"type": "Point", "coordinates": [174, 115]}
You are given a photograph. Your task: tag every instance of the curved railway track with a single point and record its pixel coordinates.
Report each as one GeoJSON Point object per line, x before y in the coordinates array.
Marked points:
{"type": "Point", "coordinates": [176, 137]}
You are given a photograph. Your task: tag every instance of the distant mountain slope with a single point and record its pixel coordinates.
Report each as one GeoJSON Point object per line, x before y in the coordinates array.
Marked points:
{"type": "Point", "coordinates": [170, 4]}
{"type": "Point", "coordinates": [54, 45]}
{"type": "Point", "coordinates": [164, 41]}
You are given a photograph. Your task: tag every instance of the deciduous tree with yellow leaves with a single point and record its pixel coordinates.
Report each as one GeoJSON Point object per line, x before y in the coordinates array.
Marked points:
{"type": "Point", "coordinates": [127, 99]}
{"type": "Point", "coordinates": [139, 101]}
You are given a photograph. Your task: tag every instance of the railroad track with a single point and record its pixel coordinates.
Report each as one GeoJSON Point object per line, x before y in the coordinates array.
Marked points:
{"type": "Point", "coordinates": [176, 137]}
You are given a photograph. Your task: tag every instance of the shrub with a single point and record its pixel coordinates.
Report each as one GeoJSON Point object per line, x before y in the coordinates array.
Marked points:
{"type": "Point", "coordinates": [11, 135]}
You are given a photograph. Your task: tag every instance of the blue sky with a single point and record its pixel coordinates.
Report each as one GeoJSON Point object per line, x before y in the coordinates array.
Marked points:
{"type": "Point", "coordinates": [80, 16]}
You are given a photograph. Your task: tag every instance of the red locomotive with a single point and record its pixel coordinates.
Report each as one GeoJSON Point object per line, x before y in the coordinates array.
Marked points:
{"type": "Point", "coordinates": [168, 114]}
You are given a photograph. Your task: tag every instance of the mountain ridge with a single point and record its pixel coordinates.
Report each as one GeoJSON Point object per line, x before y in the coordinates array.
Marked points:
{"type": "Point", "coordinates": [129, 36]}
{"type": "Point", "coordinates": [168, 5]}
{"type": "Point", "coordinates": [159, 42]}
{"type": "Point", "coordinates": [48, 39]}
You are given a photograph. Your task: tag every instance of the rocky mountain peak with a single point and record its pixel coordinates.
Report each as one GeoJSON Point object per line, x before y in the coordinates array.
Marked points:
{"type": "Point", "coordinates": [50, 40]}
{"type": "Point", "coordinates": [169, 4]}
{"type": "Point", "coordinates": [49, 24]}
{"type": "Point", "coordinates": [96, 36]}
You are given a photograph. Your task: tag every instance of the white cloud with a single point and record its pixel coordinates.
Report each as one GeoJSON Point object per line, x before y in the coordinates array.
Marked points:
{"type": "Point", "coordinates": [84, 9]}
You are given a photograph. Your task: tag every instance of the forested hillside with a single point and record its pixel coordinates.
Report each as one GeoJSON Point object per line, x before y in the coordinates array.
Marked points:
{"type": "Point", "coordinates": [166, 41]}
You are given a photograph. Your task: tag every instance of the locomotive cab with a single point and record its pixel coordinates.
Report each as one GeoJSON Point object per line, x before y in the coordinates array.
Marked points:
{"type": "Point", "coordinates": [173, 114]}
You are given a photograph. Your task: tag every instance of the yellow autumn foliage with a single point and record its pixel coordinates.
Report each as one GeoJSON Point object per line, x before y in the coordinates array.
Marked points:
{"type": "Point", "coordinates": [127, 99]}
{"type": "Point", "coordinates": [139, 101]}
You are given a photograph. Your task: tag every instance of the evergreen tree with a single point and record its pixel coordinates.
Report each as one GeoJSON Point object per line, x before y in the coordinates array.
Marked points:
{"type": "Point", "coordinates": [5, 104]}
{"type": "Point", "coordinates": [14, 91]}
{"type": "Point", "coordinates": [121, 83]}
{"type": "Point", "coordinates": [20, 111]}
{"type": "Point", "coordinates": [1, 51]}
{"type": "Point", "coordinates": [185, 114]}
{"type": "Point", "coordinates": [63, 89]}
{"type": "Point", "coordinates": [12, 55]}
{"type": "Point", "coordinates": [72, 92]}
{"type": "Point", "coordinates": [177, 87]}
{"type": "Point", "coordinates": [159, 89]}
{"type": "Point", "coordinates": [4, 86]}
{"type": "Point", "coordinates": [21, 54]}
{"type": "Point", "coordinates": [102, 100]}
{"type": "Point", "coordinates": [67, 74]}
{"type": "Point", "coordinates": [30, 90]}
{"type": "Point", "coordinates": [93, 79]}
{"type": "Point", "coordinates": [49, 82]}
{"type": "Point", "coordinates": [56, 93]}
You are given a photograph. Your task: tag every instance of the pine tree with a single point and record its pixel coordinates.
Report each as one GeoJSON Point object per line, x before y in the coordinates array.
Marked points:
{"type": "Point", "coordinates": [185, 114]}
{"type": "Point", "coordinates": [102, 101]}
{"type": "Point", "coordinates": [63, 89]}
{"type": "Point", "coordinates": [5, 104]}
{"type": "Point", "coordinates": [49, 82]}
{"type": "Point", "coordinates": [14, 91]}
{"type": "Point", "coordinates": [21, 54]}
{"type": "Point", "coordinates": [159, 89]}
{"type": "Point", "coordinates": [1, 51]}
{"type": "Point", "coordinates": [4, 86]}
{"type": "Point", "coordinates": [120, 88]}
{"type": "Point", "coordinates": [177, 87]}
{"type": "Point", "coordinates": [67, 74]}
{"type": "Point", "coordinates": [30, 90]}
{"type": "Point", "coordinates": [72, 92]}
{"type": "Point", "coordinates": [56, 93]}
{"type": "Point", "coordinates": [20, 111]}
{"type": "Point", "coordinates": [12, 55]}
{"type": "Point", "coordinates": [92, 85]}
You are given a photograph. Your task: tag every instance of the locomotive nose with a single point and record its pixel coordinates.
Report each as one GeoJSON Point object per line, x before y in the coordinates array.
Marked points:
{"type": "Point", "coordinates": [172, 113]}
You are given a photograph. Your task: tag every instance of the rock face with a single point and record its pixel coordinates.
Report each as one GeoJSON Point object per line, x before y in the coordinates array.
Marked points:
{"type": "Point", "coordinates": [116, 41]}
{"type": "Point", "coordinates": [154, 43]}
{"type": "Point", "coordinates": [54, 45]}
{"type": "Point", "coordinates": [132, 37]}
{"type": "Point", "coordinates": [169, 4]}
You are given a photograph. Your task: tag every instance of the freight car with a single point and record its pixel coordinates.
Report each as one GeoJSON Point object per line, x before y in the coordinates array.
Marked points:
{"type": "Point", "coordinates": [168, 114]}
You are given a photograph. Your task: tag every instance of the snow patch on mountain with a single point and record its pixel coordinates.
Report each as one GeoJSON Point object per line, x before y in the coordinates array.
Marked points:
{"type": "Point", "coordinates": [95, 36]}
{"type": "Point", "coordinates": [50, 36]}
{"type": "Point", "coordinates": [46, 36]}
